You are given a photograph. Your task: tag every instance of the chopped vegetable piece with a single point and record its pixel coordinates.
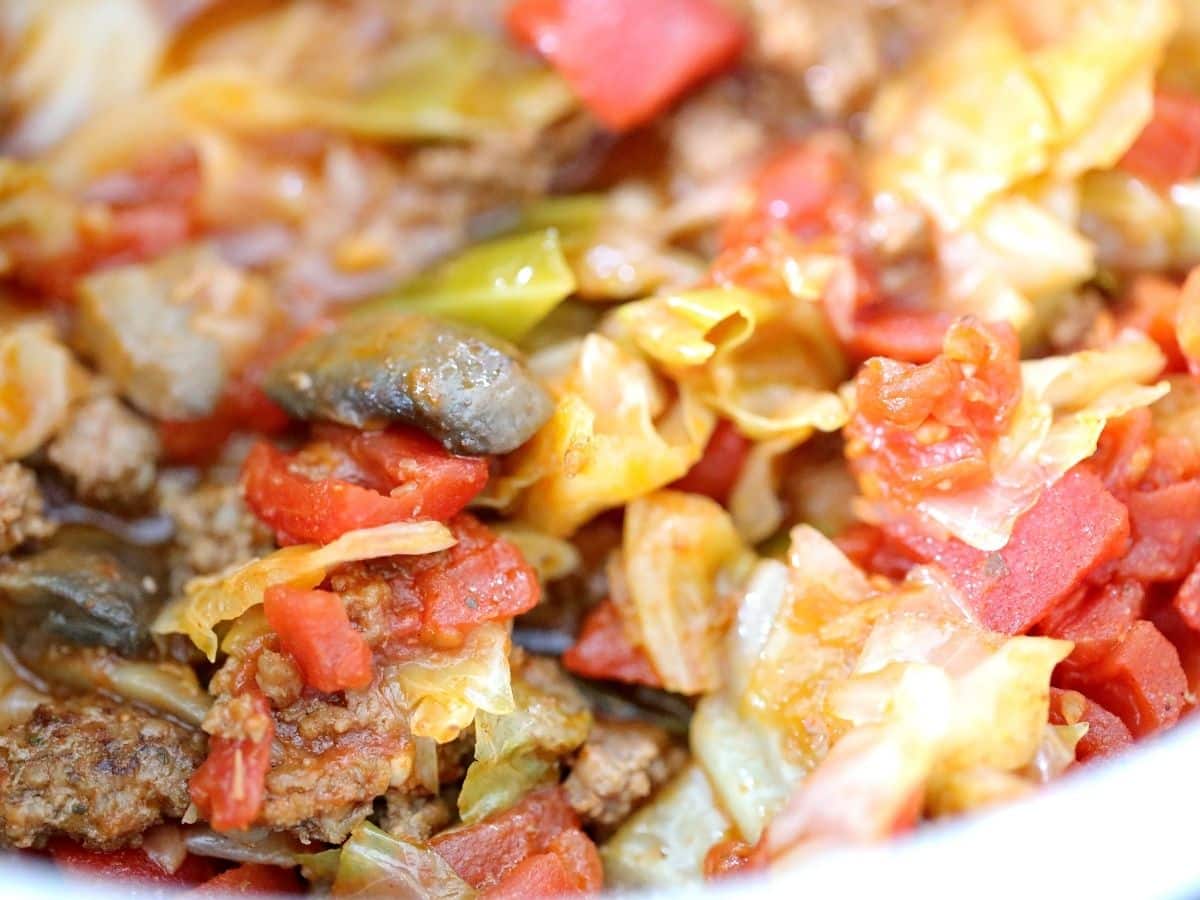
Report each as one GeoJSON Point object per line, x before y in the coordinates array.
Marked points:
{"type": "Point", "coordinates": [571, 866]}
{"type": "Point", "coordinates": [603, 650]}
{"type": "Point", "coordinates": [230, 784]}
{"type": "Point", "coordinates": [375, 478]}
{"type": "Point", "coordinates": [482, 854]}
{"type": "Point", "coordinates": [1141, 680]}
{"type": "Point", "coordinates": [507, 285]}
{"type": "Point", "coordinates": [629, 59]}
{"type": "Point", "coordinates": [1166, 533]}
{"type": "Point", "coordinates": [253, 878]}
{"type": "Point", "coordinates": [373, 863]}
{"type": "Point", "coordinates": [1106, 734]}
{"type": "Point", "coordinates": [718, 469]}
{"type": "Point", "coordinates": [1096, 621]}
{"type": "Point", "coordinates": [1075, 527]}
{"type": "Point", "coordinates": [1168, 149]}
{"type": "Point", "coordinates": [469, 392]}
{"type": "Point", "coordinates": [126, 864]}
{"type": "Point", "coordinates": [314, 628]}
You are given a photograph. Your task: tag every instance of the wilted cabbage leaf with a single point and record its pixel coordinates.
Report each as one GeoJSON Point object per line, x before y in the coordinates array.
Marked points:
{"type": "Point", "coordinates": [506, 285]}
{"type": "Point", "coordinates": [372, 863]}
{"type": "Point", "coordinates": [681, 563]}
{"type": "Point", "coordinates": [211, 599]}
{"type": "Point", "coordinates": [446, 688]}
{"type": "Point", "coordinates": [614, 436]}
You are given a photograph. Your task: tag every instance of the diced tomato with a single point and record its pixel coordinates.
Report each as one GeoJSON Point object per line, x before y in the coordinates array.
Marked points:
{"type": "Point", "coordinates": [1096, 621]}
{"type": "Point", "coordinates": [230, 784]}
{"type": "Point", "coordinates": [1124, 452]}
{"type": "Point", "coordinates": [570, 866]}
{"type": "Point", "coordinates": [1166, 533]}
{"type": "Point", "coordinates": [928, 428]}
{"type": "Point", "coordinates": [873, 550]}
{"type": "Point", "coordinates": [604, 651]}
{"type": "Point", "coordinates": [1141, 680]}
{"type": "Point", "coordinates": [717, 471]}
{"type": "Point", "coordinates": [314, 628]}
{"type": "Point", "coordinates": [628, 60]}
{"type": "Point", "coordinates": [1075, 527]}
{"type": "Point", "coordinates": [913, 336]}
{"type": "Point", "coordinates": [127, 864]}
{"type": "Point", "coordinates": [1168, 149]}
{"type": "Point", "coordinates": [374, 478]}
{"type": "Point", "coordinates": [1186, 642]}
{"type": "Point", "coordinates": [1106, 733]}
{"type": "Point", "coordinates": [1152, 306]}
{"type": "Point", "coordinates": [253, 878]}
{"type": "Point", "coordinates": [806, 189]}
{"type": "Point", "coordinates": [1187, 600]}
{"type": "Point", "coordinates": [484, 853]}
{"type": "Point", "coordinates": [482, 578]}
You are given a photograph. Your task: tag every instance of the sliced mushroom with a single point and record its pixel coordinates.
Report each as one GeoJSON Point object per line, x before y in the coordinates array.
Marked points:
{"type": "Point", "coordinates": [85, 586]}
{"type": "Point", "coordinates": [465, 389]}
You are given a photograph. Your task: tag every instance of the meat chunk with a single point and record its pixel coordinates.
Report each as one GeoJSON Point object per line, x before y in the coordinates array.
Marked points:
{"type": "Point", "coordinates": [414, 817]}
{"type": "Point", "coordinates": [94, 770]}
{"type": "Point", "coordinates": [213, 530]}
{"type": "Point", "coordinates": [22, 510]}
{"type": "Point", "coordinates": [619, 767]}
{"type": "Point", "coordinates": [107, 452]}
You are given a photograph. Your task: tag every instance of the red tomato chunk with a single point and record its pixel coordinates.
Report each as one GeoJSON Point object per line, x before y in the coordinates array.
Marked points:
{"type": "Point", "coordinates": [314, 628]}
{"type": "Point", "coordinates": [229, 786]}
{"type": "Point", "coordinates": [628, 60]}
{"type": "Point", "coordinates": [717, 471]}
{"type": "Point", "coordinates": [1168, 149]}
{"type": "Point", "coordinates": [603, 650]}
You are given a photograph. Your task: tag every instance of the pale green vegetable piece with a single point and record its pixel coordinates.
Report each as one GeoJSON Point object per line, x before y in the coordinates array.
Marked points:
{"type": "Point", "coordinates": [494, 786]}
{"type": "Point", "coordinates": [506, 285]}
{"type": "Point", "coordinates": [375, 864]}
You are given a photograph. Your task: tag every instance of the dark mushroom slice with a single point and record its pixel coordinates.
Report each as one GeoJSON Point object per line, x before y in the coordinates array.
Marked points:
{"type": "Point", "coordinates": [467, 390]}
{"type": "Point", "coordinates": [85, 586]}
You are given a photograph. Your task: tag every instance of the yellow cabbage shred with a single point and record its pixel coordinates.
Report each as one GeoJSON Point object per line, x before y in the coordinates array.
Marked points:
{"type": "Point", "coordinates": [211, 599]}
{"type": "Point", "coordinates": [615, 435]}
{"type": "Point", "coordinates": [682, 560]}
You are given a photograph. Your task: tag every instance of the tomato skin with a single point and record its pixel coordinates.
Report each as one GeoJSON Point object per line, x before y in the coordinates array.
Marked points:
{"type": "Point", "coordinates": [230, 784]}
{"type": "Point", "coordinates": [1106, 734]}
{"type": "Point", "coordinates": [717, 470]}
{"type": "Point", "coordinates": [484, 853]}
{"type": "Point", "coordinates": [571, 865]}
{"type": "Point", "coordinates": [628, 60]}
{"type": "Point", "coordinates": [253, 878]}
{"type": "Point", "coordinates": [1075, 527]}
{"type": "Point", "coordinates": [1141, 680]}
{"type": "Point", "coordinates": [603, 651]}
{"type": "Point", "coordinates": [398, 475]}
{"type": "Point", "coordinates": [1168, 149]}
{"type": "Point", "coordinates": [127, 864]}
{"type": "Point", "coordinates": [314, 628]}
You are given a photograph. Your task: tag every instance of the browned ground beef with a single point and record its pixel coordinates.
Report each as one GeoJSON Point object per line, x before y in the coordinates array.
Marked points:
{"type": "Point", "coordinates": [107, 452]}
{"type": "Point", "coordinates": [21, 507]}
{"type": "Point", "coordinates": [619, 767]}
{"type": "Point", "coordinates": [97, 771]}
{"type": "Point", "coordinates": [414, 817]}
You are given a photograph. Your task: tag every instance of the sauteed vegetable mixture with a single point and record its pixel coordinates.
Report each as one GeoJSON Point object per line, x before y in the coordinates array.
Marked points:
{"type": "Point", "coordinates": [531, 447]}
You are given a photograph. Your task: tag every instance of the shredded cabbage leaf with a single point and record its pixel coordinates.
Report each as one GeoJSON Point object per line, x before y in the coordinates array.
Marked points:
{"type": "Point", "coordinates": [506, 285]}
{"type": "Point", "coordinates": [211, 599]}
{"type": "Point", "coordinates": [682, 559]}
{"type": "Point", "coordinates": [664, 843]}
{"type": "Point", "coordinates": [445, 689]}
{"type": "Point", "coordinates": [518, 751]}
{"type": "Point", "coordinates": [769, 364]}
{"type": "Point", "coordinates": [372, 863]}
{"type": "Point", "coordinates": [1065, 403]}
{"type": "Point", "coordinates": [614, 436]}
{"type": "Point", "coordinates": [39, 379]}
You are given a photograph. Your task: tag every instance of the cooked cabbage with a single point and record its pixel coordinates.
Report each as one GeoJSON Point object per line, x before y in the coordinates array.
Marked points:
{"type": "Point", "coordinates": [372, 863]}
{"type": "Point", "coordinates": [664, 843]}
{"type": "Point", "coordinates": [770, 364]}
{"type": "Point", "coordinates": [682, 560]}
{"type": "Point", "coordinates": [506, 285]}
{"type": "Point", "coordinates": [38, 380]}
{"type": "Point", "coordinates": [1066, 402]}
{"type": "Point", "coordinates": [445, 689]}
{"type": "Point", "coordinates": [614, 436]}
{"type": "Point", "coordinates": [211, 599]}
